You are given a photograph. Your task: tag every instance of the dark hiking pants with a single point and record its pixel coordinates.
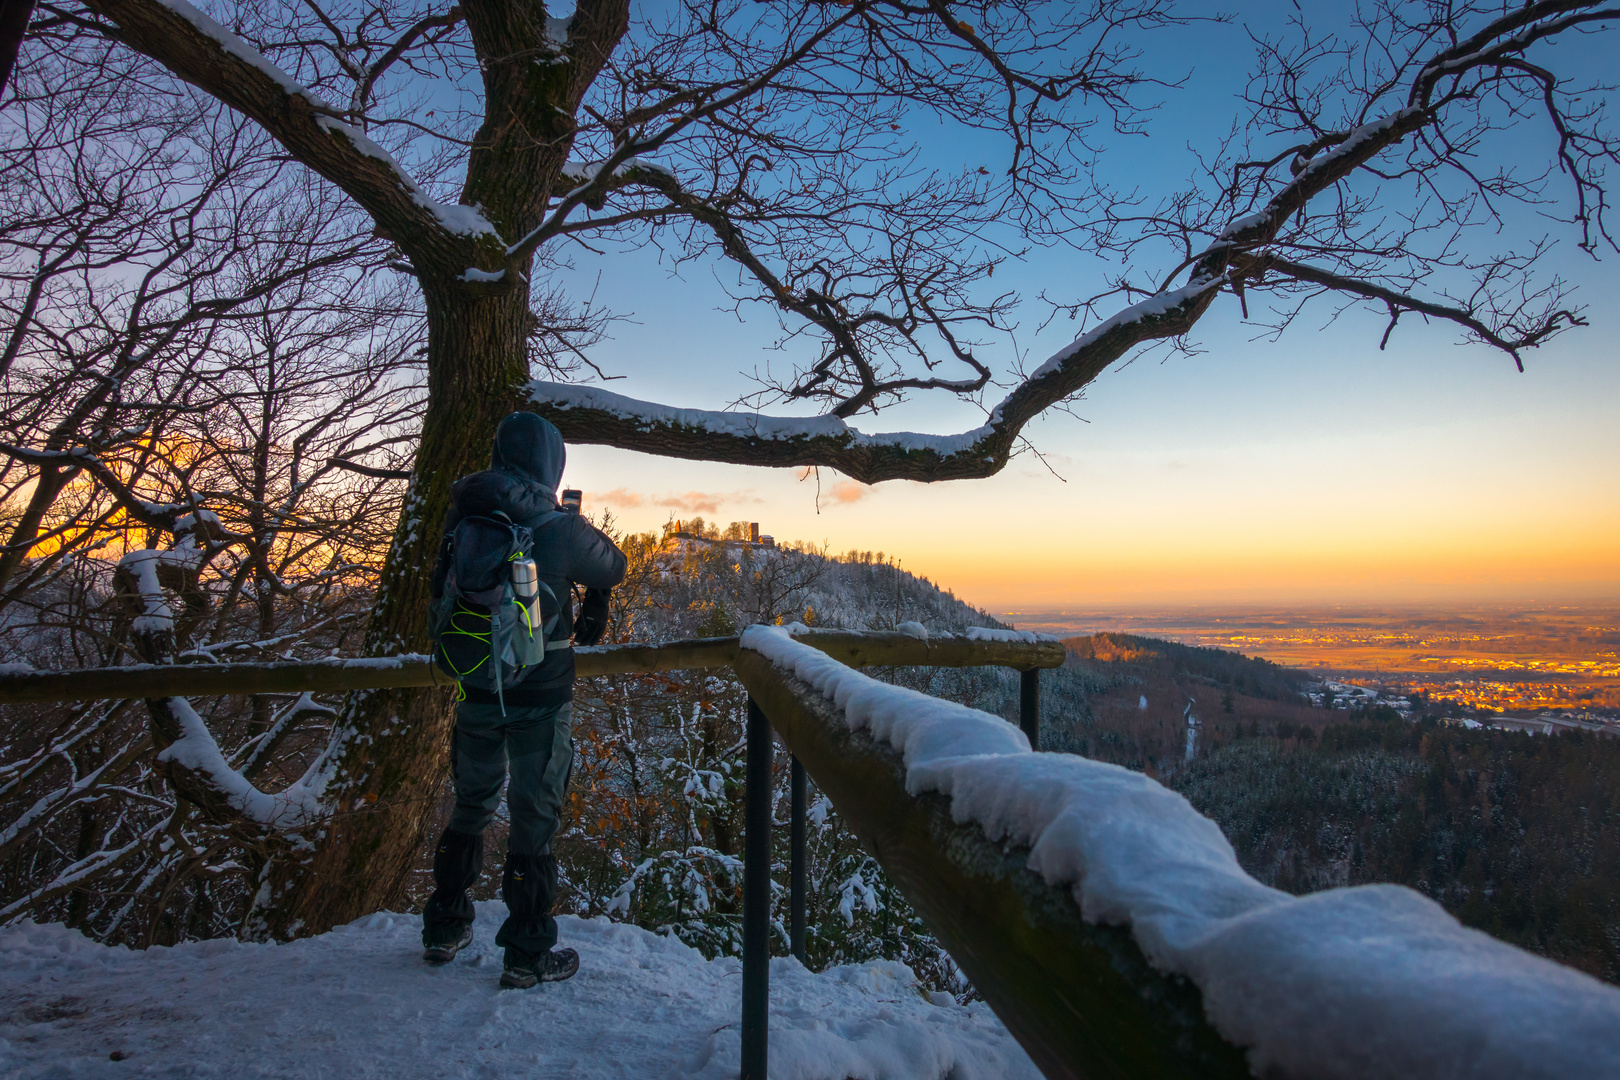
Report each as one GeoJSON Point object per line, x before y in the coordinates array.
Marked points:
{"type": "Point", "coordinates": [532, 744]}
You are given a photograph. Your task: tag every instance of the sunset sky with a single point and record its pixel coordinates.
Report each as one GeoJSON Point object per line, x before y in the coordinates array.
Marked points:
{"type": "Point", "coordinates": [1314, 469]}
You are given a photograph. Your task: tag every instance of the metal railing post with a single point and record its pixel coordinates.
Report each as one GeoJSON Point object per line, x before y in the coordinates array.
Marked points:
{"type": "Point", "coordinates": [1029, 706]}
{"type": "Point", "coordinates": [756, 928]}
{"type": "Point", "coordinates": [797, 867]}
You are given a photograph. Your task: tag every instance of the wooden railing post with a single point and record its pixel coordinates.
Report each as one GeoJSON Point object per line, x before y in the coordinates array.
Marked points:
{"type": "Point", "coordinates": [797, 869]}
{"type": "Point", "coordinates": [756, 928]}
{"type": "Point", "coordinates": [1029, 706]}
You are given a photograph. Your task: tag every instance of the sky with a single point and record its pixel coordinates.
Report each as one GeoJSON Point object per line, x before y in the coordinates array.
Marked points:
{"type": "Point", "coordinates": [1314, 469]}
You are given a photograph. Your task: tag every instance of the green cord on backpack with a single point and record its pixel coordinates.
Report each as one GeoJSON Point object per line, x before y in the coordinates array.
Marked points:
{"type": "Point", "coordinates": [491, 624]}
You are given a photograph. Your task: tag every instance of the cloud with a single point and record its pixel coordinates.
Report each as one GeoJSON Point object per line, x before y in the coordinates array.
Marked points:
{"type": "Point", "coordinates": [691, 502]}
{"type": "Point", "coordinates": [849, 491]}
{"type": "Point", "coordinates": [705, 502]}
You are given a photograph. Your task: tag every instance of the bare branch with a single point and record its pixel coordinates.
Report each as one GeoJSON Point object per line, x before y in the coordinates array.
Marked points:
{"type": "Point", "coordinates": [202, 52]}
{"type": "Point", "coordinates": [1512, 342]}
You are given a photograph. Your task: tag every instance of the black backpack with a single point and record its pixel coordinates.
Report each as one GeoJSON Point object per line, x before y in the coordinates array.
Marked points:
{"type": "Point", "coordinates": [491, 624]}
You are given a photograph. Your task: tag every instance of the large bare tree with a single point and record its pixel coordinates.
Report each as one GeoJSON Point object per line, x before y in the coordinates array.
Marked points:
{"type": "Point", "coordinates": [485, 138]}
{"type": "Point", "coordinates": [201, 338]}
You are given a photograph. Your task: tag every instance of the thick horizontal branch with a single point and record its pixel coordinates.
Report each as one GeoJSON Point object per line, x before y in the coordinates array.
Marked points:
{"type": "Point", "coordinates": [595, 416]}
{"type": "Point", "coordinates": [331, 676]}
{"type": "Point", "coordinates": [590, 415]}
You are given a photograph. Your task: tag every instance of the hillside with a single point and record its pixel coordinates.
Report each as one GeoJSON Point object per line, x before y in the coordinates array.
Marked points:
{"type": "Point", "coordinates": [1512, 833]}
{"type": "Point", "coordinates": [1515, 834]}
{"type": "Point", "coordinates": [733, 582]}
{"type": "Point", "coordinates": [1251, 676]}
{"type": "Point", "coordinates": [1156, 705]}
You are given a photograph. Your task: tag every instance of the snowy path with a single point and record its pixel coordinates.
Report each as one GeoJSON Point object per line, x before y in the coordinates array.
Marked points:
{"type": "Point", "coordinates": [359, 1003]}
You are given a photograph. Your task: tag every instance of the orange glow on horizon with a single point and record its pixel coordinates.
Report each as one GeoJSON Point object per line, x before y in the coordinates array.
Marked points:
{"type": "Point", "coordinates": [1585, 569]}
{"type": "Point", "coordinates": [1051, 554]}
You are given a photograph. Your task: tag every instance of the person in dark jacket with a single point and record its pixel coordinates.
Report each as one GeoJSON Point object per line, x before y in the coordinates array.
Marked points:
{"type": "Point", "coordinates": [530, 742]}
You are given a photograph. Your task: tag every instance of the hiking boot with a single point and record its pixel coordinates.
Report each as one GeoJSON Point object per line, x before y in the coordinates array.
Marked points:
{"type": "Point", "coordinates": [523, 970]}
{"type": "Point", "coordinates": [448, 917]}
{"type": "Point", "coordinates": [442, 952]}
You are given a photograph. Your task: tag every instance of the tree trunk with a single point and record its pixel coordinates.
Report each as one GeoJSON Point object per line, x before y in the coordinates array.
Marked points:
{"type": "Point", "coordinates": [49, 485]}
{"type": "Point", "coordinates": [387, 757]}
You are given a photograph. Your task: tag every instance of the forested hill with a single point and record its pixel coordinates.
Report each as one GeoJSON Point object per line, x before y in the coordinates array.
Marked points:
{"type": "Point", "coordinates": [1252, 676]}
{"type": "Point", "coordinates": [1515, 834]}
{"type": "Point", "coordinates": [701, 581]}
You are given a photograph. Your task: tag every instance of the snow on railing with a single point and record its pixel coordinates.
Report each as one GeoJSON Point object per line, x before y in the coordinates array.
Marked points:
{"type": "Point", "coordinates": [1371, 981]}
{"type": "Point", "coordinates": [994, 633]}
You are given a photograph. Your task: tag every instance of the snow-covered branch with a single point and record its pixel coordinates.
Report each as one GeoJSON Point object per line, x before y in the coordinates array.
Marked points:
{"type": "Point", "coordinates": [79, 788]}
{"type": "Point", "coordinates": [200, 772]}
{"type": "Point", "coordinates": [593, 415]}
{"type": "Point", "coordinates": [140, 576]}
{"type": "Point", "coordinates": [258, 752]}
{"type": "Point", "coordinates": [170, 517]}
{"type": "Point", "coordinates": [77, 874]}
{"type": "Point", "coordinates": [201, 51]}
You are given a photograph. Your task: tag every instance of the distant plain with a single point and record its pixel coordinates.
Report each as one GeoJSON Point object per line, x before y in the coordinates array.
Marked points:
{"type": "Point", "coordinates": [1502, 656]}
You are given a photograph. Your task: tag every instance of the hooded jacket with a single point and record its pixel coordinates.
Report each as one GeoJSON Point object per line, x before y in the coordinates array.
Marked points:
{"type": "Point", "coordinates": [521, 482]}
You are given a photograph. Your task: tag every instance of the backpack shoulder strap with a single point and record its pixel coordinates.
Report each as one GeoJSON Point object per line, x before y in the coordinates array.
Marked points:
{"type": "Point", "coordinates": [545, 519]}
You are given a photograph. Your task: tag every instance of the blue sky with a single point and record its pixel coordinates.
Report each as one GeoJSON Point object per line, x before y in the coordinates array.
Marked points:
{"type": "Point", "coordinates": [1312, 469]}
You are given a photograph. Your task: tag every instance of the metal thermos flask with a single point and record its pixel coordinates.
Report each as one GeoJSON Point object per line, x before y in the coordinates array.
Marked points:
{"type": "Point", "coordinates": [526, 586]}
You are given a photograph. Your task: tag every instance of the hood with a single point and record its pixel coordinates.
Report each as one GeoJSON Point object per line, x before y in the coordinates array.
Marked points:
{"type": "Point", "coordinates": [531, 447]}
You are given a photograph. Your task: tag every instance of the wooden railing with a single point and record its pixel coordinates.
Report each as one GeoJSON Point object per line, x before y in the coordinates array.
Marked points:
{"type": "Point", "coordinates": [1041, 976]}
{"type": "Point", "coordinates": [1080, 998]}
{"type": "Point", "coordinates": [332, 676]}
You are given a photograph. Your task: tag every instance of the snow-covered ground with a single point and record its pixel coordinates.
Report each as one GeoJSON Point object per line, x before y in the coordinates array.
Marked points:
{"type": "Point", "coordinates": [1348, 696]}
{"type": "Point", "coordinates": [359, 1003]}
